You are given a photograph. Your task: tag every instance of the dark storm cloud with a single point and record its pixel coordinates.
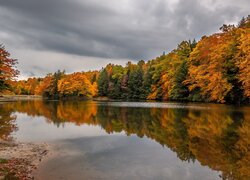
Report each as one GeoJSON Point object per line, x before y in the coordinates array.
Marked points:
{"type": "Point", "coordinates": [124, 29]}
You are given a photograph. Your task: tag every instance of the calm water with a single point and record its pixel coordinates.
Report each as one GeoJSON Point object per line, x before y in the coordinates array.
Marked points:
{"type": "Point", "coordinates": [122, 140]}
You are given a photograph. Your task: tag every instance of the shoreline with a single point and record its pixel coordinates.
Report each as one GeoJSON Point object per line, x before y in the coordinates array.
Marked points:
{"type": "Point", "coordinates": [13, 98]}
{"type": "Point", "coordinates": [18, 160]}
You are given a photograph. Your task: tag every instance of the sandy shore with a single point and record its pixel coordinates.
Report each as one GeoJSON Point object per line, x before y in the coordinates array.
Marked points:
{"type": "Point", "coordinates": [18, 160]}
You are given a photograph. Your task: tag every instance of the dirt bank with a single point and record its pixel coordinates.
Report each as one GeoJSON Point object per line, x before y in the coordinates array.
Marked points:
{"type": "Point", "coordinates": [18, 160]}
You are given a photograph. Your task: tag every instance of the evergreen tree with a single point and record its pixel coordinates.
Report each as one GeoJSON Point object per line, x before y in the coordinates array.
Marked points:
{"type": "Point", "coordinates": [135, 81]}
{"type": "Point", "coordinates": [180, 90]}
{"type": "Point", "coordinates": [103, 83]}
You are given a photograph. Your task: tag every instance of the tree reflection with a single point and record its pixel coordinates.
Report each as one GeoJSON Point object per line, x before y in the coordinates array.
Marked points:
{"type": "Point", "coordinates": [218, 137]}
{"type": "Point", "coordinates": [7, 122]}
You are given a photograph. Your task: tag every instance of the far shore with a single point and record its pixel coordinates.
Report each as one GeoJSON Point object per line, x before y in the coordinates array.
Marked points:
{"type": "Point", "coordinates": [14, 98]}
{"type": "Point", "coordinates": [10, 98]}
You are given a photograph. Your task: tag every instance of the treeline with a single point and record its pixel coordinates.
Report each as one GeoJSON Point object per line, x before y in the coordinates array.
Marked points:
{"type": "Point", "coordinates": [59, 85]}
{"type": "Point", "coordinates": [160, 78]}
{"type": "Point", "coordinates": [215, 69]}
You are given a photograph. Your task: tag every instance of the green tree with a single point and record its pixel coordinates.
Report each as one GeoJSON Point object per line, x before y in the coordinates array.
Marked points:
{"type": "Point", "coordinates": [115, 90]}
{"type": "Point", "coordinates": [135, 80]}
{"type": "Point", "coordinates": [103, 83]}
{"type": "Point", "coordinates": [179, 90]}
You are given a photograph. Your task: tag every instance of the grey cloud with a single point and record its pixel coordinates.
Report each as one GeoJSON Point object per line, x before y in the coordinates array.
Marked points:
{"type": "Point", "coordinates": [125, 29]}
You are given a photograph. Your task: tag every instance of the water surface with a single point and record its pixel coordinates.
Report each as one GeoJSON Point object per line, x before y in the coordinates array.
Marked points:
{"type": "Point", "coordinates": [134, 140]}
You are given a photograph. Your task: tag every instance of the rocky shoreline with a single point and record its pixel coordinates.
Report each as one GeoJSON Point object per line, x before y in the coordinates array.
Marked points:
{"type": "Point", "coordinates": [18, 160]}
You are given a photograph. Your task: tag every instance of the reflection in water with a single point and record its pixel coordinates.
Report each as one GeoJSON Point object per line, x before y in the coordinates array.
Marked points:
{"type": "Point", "coordinates": [7, 122]}
{"type": "Point", "coordinates": [218, 137]}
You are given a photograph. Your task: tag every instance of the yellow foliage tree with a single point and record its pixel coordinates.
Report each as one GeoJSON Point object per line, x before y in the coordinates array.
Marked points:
{"type": "Point", "coordinates": [243, 58]}
{"type": "Point", "coordinates": [206, 67]}
{"type": "Point", "coordinates": [76, 84]}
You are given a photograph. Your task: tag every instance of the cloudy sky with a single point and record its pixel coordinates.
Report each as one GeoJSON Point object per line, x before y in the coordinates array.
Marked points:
{"type": "Point", "coordinates": [81, 35]}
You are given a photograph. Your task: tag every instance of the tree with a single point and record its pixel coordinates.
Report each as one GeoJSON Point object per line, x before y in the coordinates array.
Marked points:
{"type": "Point", "coordinates": [179, 90]}
{"type": "Point", "coordinates": [245, 22]}
{"type": "Point", "coordinates": [156, 72]}
{"type": "Point", "coordinates": [54, 86]}
{"type": "Point", "coordinates": [206, 68]}
{"type": "Point", "coordinates": [8, 69]}
{"type": "Point", "coordinates": [77, 85]}
{"type": "Point", "coordinates": [115, 80]}
{"type": "Point", "coordinates": [103, 82]}
{"type": "Point", "coordinates": [135, 80]}
{"type": "Point", "coordinates": [227, 28]}
{"type": "Point", "coordinates": [243, 60]}
{"type": "Point", "coordinates": [169, 72]}
{"type": "Point", "coordinates": [43, 88]}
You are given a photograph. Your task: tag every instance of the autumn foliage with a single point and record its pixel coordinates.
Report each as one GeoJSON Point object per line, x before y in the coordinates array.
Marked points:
{"type": "Point", "coordinates": [7, 69]}
{"type": "Point", "coordinates": [214, 69]}
{"type": "Point", "coordinates": [59, 85]}
{"type": "Point", "coordinates": [207, 71]}
{"type": "Point", "coordinates": [243, 59]}
{"type": "Point", "coordinates": [77, 84]}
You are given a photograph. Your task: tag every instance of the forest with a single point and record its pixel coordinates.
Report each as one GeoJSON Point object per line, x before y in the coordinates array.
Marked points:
{"type": "Point", "coordinates": [214, 69]}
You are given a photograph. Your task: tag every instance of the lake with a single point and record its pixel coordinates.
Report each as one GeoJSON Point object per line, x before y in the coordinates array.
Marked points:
{"type": "Point", "coordinates": [134, 140]}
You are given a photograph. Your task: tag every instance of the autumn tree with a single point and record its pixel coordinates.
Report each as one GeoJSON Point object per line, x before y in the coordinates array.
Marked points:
{"type": "Point", "coordinates": [43, 88]}
{"type": "Point", "coordinates": [8, 69]}
{"type": "Point", "coordinates": [169, 72]}
{"type": "Point", "coordinates": [25, 87]}
{"type": "Point", "coordinates": [76, 84]}
{"type": "Point", "coordinates": [156, 72]}
{"type": "Point", "coordinates": [243, 58]}
{"type": "Point", "coordinates": [206, 68]}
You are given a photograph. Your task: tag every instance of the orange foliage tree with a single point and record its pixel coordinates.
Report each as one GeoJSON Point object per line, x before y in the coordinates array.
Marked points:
{"type": "Point", "coordinates": [76, 84]}
{"type": "Point", "coordinates": [43, 87]}
{"type": "Point", "coordinates": [7, 68]}
{"type": "Point", "coordinates": [206, 67]}
{"type": "Point", "coordinates": [243, 58]}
